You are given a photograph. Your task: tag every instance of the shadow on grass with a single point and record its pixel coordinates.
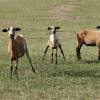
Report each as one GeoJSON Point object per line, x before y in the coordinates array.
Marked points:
{"type": "Point", "coordinates": [83, 73]}
{"type": "Point", "coordinates": [82, 61]}
{"type": "Point", "coordinates": [77, 73]}
{"type": "Point", "coordinates": [89, 61]}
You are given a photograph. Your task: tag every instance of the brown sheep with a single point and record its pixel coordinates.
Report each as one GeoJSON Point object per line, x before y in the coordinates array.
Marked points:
{"type": "Point", "coordinates": [89, 38]}
{"type": "Point", "coordinates": [17, 47]}
{"type": "Point", "coordinates": [53, 43]}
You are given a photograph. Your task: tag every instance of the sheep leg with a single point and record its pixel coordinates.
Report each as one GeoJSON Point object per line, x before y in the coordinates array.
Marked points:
{"type": "Point", "coordinates": [56, 55]}
{"type": "Point", "coordinates": [52, 56]}
{"type": "Point", "coordinates": [16, 68]}
{"type": "Point", "coordinates": [11, 68]}
{"type": "Point", "coordinates": [78, 50]}
{"type": "Point", "coordinates": [27, 54]}
{"type": "Point", "coordinates": [62, 51]}
{"type": "Point", "coordinates": [99, 54]}
{"type": "Point", "coordinates": [45, 52]}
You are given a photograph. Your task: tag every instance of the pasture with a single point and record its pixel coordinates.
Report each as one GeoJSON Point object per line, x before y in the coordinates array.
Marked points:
{"type": "Point", "coordinates": [70, 79]}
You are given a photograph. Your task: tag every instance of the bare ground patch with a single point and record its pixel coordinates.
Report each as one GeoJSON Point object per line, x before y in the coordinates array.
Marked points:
{"type": "Point", "coordinates": [63, 12]}
{"type": "Point", "coordinates": [60, 12]}
{"type": "Point", "coordinates": [61, 9]}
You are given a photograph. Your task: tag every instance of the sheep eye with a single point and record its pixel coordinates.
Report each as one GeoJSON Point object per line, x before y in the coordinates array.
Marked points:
{"type": "Point", "coordinates": [8, 29]}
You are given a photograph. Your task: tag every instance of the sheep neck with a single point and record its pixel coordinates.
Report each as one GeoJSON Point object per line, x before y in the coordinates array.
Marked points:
{"type": "Point", "coordinates": [54, 36]}
{"type": "Point", "coordinates": [12, 40]}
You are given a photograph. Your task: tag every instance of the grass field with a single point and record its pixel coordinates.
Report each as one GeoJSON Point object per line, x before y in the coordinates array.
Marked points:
{"type": "Point", "coordinates": [70, 79]}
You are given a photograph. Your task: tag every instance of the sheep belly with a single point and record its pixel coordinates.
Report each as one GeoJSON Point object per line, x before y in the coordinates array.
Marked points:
{"type": "Point", "coordinates": [53, 42]}
{"type": "Point", "coordinates": [21, 47]}
{"type": "Point", "coordinates": [90, 41]}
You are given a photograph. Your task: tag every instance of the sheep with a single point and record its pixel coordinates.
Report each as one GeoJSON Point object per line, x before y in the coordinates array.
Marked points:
{"type": "Point", "coordinates": [88, 38]}
{"type": "Point", "coordinates": [17, 47]}
{"type": "Point", "coordinates": [53, 43]}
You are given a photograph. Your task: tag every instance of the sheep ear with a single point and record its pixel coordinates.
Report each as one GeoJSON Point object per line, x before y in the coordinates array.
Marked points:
{"type": "Point", "coordinates": [17, 29]}
{"type": "Point", "coordinates": [57, 27]}
{"type": "Point", "coordinates": [4, 30]}
{"type": "Point", "coordinates": [49, 28]}
{"type": "Point", "coordinates": [97, 27]}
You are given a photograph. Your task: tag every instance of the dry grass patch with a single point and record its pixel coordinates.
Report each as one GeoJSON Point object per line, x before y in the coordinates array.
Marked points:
{"type": "Point", "coordinates": [61, 9]}
{"type": "Point", "coordinates": [60, 12]}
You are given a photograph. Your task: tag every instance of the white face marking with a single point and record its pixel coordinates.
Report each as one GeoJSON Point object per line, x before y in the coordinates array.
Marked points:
{"type": "Point", "coordinates": [11, 31]}
{"type": "Point", "coordinates": [53, 29]}
{"type": "Point", "coordinates": [53, 33]}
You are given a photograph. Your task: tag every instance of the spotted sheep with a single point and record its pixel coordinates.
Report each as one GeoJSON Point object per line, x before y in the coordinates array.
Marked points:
{"type": "Point", "coordinates": [88, 38]}
{"type": "Point", "coordinates": [17, 47]}
{"type": "Point", "coordinates": [53, 43]}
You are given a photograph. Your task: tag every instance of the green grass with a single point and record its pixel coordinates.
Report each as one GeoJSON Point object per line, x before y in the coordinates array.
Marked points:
{"type": "Point", "coordinates": [70, 79]}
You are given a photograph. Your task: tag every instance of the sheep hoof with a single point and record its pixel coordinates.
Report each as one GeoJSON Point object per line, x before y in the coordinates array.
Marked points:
{"type": "Point", "coordinates": [79, 58]}
{"type": "Point", "coordinates": [11, 76]}
{"type": "Point", "coordinates": [56, 63]}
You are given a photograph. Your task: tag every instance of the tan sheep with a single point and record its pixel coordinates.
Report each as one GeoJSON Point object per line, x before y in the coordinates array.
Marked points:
{"type": "Point", "coordinates": [88, 38]}
{"type": "Point", "coordinates": [17, 47]}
